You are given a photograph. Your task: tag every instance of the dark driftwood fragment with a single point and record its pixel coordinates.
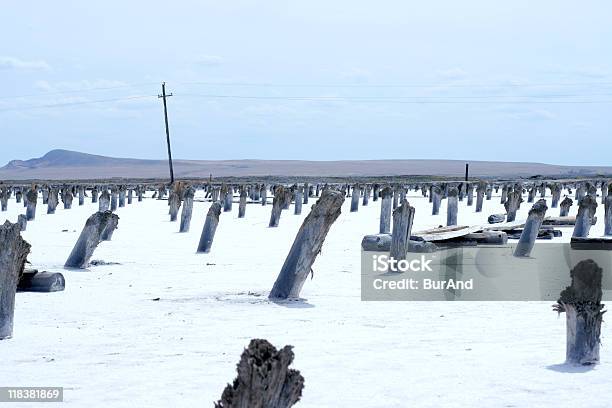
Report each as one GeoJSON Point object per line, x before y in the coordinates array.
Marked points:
{"type": "Point", "coordinates": [34, 281]}
{"type": "Point", "coordinates": [210, 227]}
{"type": "Point", "coordinates": [91, 235]}
{"type": "Point", "coordinates": [531, 229]}
{"type": "Point", "coordinates": [307, 245]}
{"type": "Point", "coordinates": [496, 218]}
{"type": "Point", "coordinates": [565, 206]}
{"type": "Point", "coordinates": [264, 379]}
{"type": "Point", "coordinates": [582, 305]}
{"type": "Point", "coordinates": [403, 216]}
{"type": "Point", "coordinates": [13, 253]}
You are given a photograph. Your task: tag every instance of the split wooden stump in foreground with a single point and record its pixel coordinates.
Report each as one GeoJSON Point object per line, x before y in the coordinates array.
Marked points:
{"type": "Point", "coordinates": [99, 227]}
{"type": "Point", "coordinates": [307, 245]}
{"type": "Point", "coordinates": [264, 379]}
{"type": "Point", "coordinates": [581, 302]}
{"type": "Point", "coordinates": [13, 253]}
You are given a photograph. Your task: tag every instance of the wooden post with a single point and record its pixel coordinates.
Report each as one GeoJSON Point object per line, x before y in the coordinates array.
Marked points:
{"type": "Point", "coordinates": [3, 199]}
{"type": "Point", "coordinates": [187, 209]}
{"type": "Point", "coordinates": [305, 193]}
{"type": "Point", "coordinates": [608, 213]}
{"type": "Point", "coordinates": [586, 211]}
{"type": "Point", "coordinates": [13, 253]}
{"type": "Point", "coordinates": [67, 198]}
{"type": "Point", "coordinates": [532, 194]}
{"type": "Point", "coordinates": [90, 237]}
{"type": "Point", "coordinates": [277, 206]}
{"type": "Point", "coordinates": [385, 210]}
{"type": "Point", "coordinates": [174, 200]}
{"type": "Point", "coordinates": [130, 195]}
{"type": "Point", "coordinates": [242, 204]}
{"type": "Point", "coordinates": [480, 191]}
{"type": "Point", "coordinates": [436, 198]}
{"type": "Point", "coordinates": [111, 226]}
{"type": "Point", "coordinates": [489, 193]}
{"type": "Point", "coordinates": [299, 199]}
{"type": "Point", "coordinates": [366, 195]}
{"type": "Point", "coordinates": [122, 192]}
{"type": "Point", "coordinates": [555, 190]}
{"type": "Point", "coordinates": [512, 203]}
{"type": "Point", "coordinates": [307, 245]}
{"type": "Point", "coordinates": [227, 196]}
{"type": "Point", "coordinates": [45, 194]}
{"type": "Point", "coordinates": [395, 197]}
{"type": "Point", "coordinates": [355, 198]}
{"type": "Point", "coordinates": [604, 191]}
{"type": "Point", "coordinates": [18, 196]}
{"type": "Point", "coordinates": [263, 192]}
{"type": "Point", "coordinates": [32, 199]}
{"type": "Point", "coordinates": [104, 201]}
{"type": "Point", "coordinates": [504, 194]}
{"type": "Point", "coordinates": [94, 195]}
{"type": "Point", "coordinates": [114, 196]}
{"type": "Point", "coordinates": [210, 227]}
{"type": "Point", "coordinates": [583, 309]}
{"type": "Point", "coordinates": [470, 194]}
{"type": "Point", "coordinates": [531, 229]}
{"type": "Point", "coordinates": [52, 201]}
{"type": "Point", "coordinates": [565, 206]}
{"type": "Point", "coordinates": [81, 195]}
{"type": "Point", "coordinates": [403, 216]}
{"type": "Point", "coordinates": [264, 379]}
{"type": "Point", "coordinates": [375, 192]}
{"type": "Point", "coordinates": [139, 192]}
{"type": "Point", "coordinates": [452, 207]}
{"type": "Point", "coordinates": [22, 221]}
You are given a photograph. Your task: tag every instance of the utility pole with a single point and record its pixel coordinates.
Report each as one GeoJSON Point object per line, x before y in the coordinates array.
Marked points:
{"type": "Point", "coordinates": [164, 96]}
{"type": "Point", "coordinates": [467, 168]}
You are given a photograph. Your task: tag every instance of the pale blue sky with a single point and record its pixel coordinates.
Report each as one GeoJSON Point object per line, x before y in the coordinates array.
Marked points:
{"type": "Point", "coordinates": [478, 65]}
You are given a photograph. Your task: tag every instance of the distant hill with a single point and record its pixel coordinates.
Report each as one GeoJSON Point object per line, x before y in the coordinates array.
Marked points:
{"type": "Point", "coordinates": [66, 164]}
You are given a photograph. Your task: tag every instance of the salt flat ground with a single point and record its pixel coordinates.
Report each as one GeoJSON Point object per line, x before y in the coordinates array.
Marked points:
{"type": "Point", "coordinates": [109, 344]}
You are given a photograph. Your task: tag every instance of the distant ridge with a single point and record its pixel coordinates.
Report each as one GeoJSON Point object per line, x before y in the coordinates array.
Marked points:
{"type": "Point", "coordinates": [66, 164]}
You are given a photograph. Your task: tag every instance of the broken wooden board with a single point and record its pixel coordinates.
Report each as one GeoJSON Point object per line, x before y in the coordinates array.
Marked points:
{"type": "Point", "coordinates": [444, 233]}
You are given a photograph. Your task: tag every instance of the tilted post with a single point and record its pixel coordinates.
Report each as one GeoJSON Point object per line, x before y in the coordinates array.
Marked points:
{"type": "Point", "coordinates": [307, 245]}
{"type": "Point", "coordinates": [210, 227]}
{"type": "Point", "coordinates": [403, 216]}
{"type": "Point", "coordinates": [452, 207]}
{"type": "Point", "coordinates": [187, 209]}
{"type": "Point", "coordinates": [586, 211]}
{"type": "Point", "coordinates": [277, 206]}
{"type": "Point", "coordinates": [13, 253]}
{"type": "Point", "coordinates": [90, 238]}
{"type": "Point", "coordinates": [531, 229]}
{"type": "Point", "coordinates": [581, 303]}
{"type": "Point", "coordinates": [385, 210]}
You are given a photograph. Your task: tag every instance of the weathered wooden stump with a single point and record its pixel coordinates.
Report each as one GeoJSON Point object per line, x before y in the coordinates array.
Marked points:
{"type": "Point", "coordinates": [122, 193]}
{"type": "Point", "coordinates": [111, 226]}
{"type": "Point", "coordinates": [114, 198]}
{"type": "Point", "coordinates": [67, 198]}
{"type": "Point", "coordinates": [263, 192]}
{"type": "Point", "coordinates": [52, 201]}
{"type": "Point", "coordinates": [581, 302]}
{"type": "Point", "coordinates": [512, 203]}
{"type": "Point", "coordinates": [18, 196]}
{"type": "Point", "coordinates": [187, 209]}
{"type": "Point", "coordinates": [436, 198]}
{"type": "Point", "coordinates": [604, 191]}
{"type": "Point", "coordinates": [210, 227]}
{"type": "Point", "coordinates": [81, 195]}
{"type": "Point", "coordinates": [481, 188]}
{"type": "Point", "coordinates": [139, 192]}
{"type": "Point", "coordinates": [531, 195]}
{"type": "Point", "coordinates": [366, 195]}
{"type": "Point", "coordinates": [555, 190]}
{"type": "Point", "coordinates": [504, 194]}
{"type": "Point", "coordinates": [307, 245]}
{"type": "Point", "coordinates": [470, 193]}
{"type": "Point", "coordinates": [104, 201]}
{"type": "Point", "coordinates": [385, 210]}
{"type": "Point", "coordinates": [264, 379]}
{"type": "Point", "coordinates": [452, 206]}
{"type": "Point", "coordinates": [94, 195]}
{"type": "Point", "coordinates": [32, 199]}
{"type": "Point", "coordinates": [608, 213]}
{"type": "Point", "coordinates": [227, 195]}
{"type": "Point", "coordinates": [22, 220]}
{"type": "Point", "coordinates": [45, 195]}
{"type": "Point", "coordinates": [13, 253]}
{"type": "Point", "coordinates": [531, 229]}
{"type": "Point", "coordinates": [242, 203]}
{"type": "Point", "coordinates": [130, 195]}
{"type": "Point", "coordinates": [586, 211]}
{"type": "Point", "coordinates": [277, 206]}
{"type": "Point", "coordinates": [565, 206]}
{"type": "Point", "coordinates": [174, 201]}
{"type": "Point", "coordinates": [375, 192]}
{"type": "Point", "coordinates": [4, 196]}
{"type": "Point", "coordinates": [403, 216]}
{"type": "Point", "coordinates": [299, 200]}
{"type": "Point", "coordinates": [91, 236]}
{"type": "Point", "coordinates": [355, 198]}
{"type": "Point", "coordinates": [489, 193]}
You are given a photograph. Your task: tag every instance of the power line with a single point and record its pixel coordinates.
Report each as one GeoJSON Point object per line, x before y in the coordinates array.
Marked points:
{"type": "Point", "coordinates": [76, 103]}
{"type": "Point", "coordinates": [82, 90]}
